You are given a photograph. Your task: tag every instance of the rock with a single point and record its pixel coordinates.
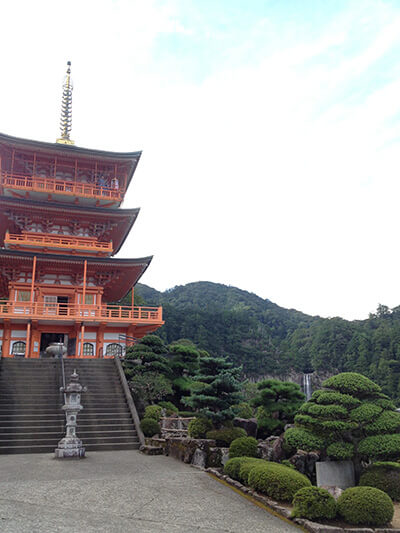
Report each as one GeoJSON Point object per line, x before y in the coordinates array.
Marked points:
{"type": "Point", "coordinates": [151, 450]}
{"type": "Point", "coordinates": [305, 462]}
{"type": "Point", "coordinates": [265, 448]}
{"type": "Point", "coordinates": [333, 491]}
{"type": "Point", "coordinates": [199, 458]}
{"type": "Point", "coordinates": [278, 453]}
{"type": "Point", "coordinates": [248, 424]}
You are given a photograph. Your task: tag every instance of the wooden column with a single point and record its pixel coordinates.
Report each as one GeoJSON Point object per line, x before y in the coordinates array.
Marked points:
{"type": "Point", "coordinates": [28, 329]}
{"type": "Point", "coordinates": [83, 303]}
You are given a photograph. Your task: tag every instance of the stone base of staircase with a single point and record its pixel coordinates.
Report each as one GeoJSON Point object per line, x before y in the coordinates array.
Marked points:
{"type": "Point", "coordinates": [31, 418]}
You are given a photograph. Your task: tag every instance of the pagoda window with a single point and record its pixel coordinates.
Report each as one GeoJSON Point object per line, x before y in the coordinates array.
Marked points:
{"type": "Point", "coordinates": [18, 348]}
{"type": "Point", "coordinates": [23, 296]}
{"type": "Point", "coordinates": [114, 350]}
{"type": "Point", "coordinates": [88, 348]}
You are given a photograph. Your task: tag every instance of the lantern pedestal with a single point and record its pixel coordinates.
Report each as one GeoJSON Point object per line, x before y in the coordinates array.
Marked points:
{"type": "Point", "coordinates": [71, 446]}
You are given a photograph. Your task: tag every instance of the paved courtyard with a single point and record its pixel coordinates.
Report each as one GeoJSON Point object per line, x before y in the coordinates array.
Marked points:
{"type": "Point", "coordinates": [121, 492]}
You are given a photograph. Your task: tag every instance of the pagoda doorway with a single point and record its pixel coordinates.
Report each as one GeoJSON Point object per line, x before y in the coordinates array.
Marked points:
{"type": "Point", "coordinates": [47, 338]}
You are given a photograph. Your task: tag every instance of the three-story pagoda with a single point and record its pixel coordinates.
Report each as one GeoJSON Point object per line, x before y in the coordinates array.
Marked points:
{"type": "Point", "coordinates": [60, 226]}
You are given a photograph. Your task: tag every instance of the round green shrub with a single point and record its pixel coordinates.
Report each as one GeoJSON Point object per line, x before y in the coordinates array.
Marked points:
{"type": "Point", "coordinates": [301, 439]}
{"type": "Point", "coordinates": [365, 506]}
{"type": "Point", "coordinates": [277, 481]}
{"type": "Point", "coordinates": [243, 447]}
{"type": "Point", "coordinates": [340, 451]}
{"type": "Point", "coordinates": [169, 407]}
{"type": "Point", "coordinates": [198, 428]}
{"type": "Point", "coordinates": [225, 436]}
{"type": "Point", "coordinates": [150, 427]}
{"type": "Point", "coordinates": [153, 411]}
{"type": "Point", "coordinates": [314, 503]}
{"type": "Point", "coordinates": [384, 476]}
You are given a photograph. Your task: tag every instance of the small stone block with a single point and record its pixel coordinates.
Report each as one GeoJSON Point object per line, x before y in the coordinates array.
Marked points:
{"type": "Point", "coordinates": [335, 473]}
{"type": "Point", "coordinates": [69, 453]}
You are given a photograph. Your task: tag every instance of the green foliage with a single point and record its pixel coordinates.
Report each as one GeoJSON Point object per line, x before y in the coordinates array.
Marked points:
{"type": "Point", "coordinates": [277, 404]}
{"type": "Point", "coordinates": [243, 410]}
{"type": "Point", "coordinates": [268, 339]}
{"type": "Point", "coordinates": [340, 451]}
{"type": "Point", "coordinates": [219, 390]}
{"type": "Point", "coordinates": [277, 481]}
{"type": "Point", "coordinates": [225, 436]}
{"type": "Point", "coordinates": [365, 506]}
{"type": "Point", "coordinates": [381, 446]}
{"type": "Point", "coordinates": [365, 413]}
{"type": "Point", "coordinates": [302, 439]}
{"type": "Point", "coordinates": [153, 411]}
{"type": "Point", "coordinates": [387, 422]}
{"type": "Point", "coordinates": [232, 466]}
{"type": "Point", "coordinates": [150, 386]}
{"type": "Point", "coordinates": [286, 462]}
{"type": "Point", "coordinates": [246, 467]}
{"type": "Point", "coordinates": [198, 428]}
{"type": "Point", "coordinates": [326, 397]}
{"type": "Point", "coordinates": [150, 427]}
{"type": "Point", "coordinates": [243, 447]}
{"type": "Point", "coordinates": [351, 383]}
{"type": "Point", "coordinates": [169, 407]}
{"type": "Point", "coordinates": [314, 503]}
{"type": "Point", "coordinates": [384, 476]}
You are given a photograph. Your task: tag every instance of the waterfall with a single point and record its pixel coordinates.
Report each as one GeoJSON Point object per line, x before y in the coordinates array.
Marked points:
{"type": "Point", "coordinates": [306, 386]}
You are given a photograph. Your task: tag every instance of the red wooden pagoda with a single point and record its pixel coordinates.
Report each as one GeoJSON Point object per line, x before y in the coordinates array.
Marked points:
{"type": "Point", "coordinates": [60, 225]}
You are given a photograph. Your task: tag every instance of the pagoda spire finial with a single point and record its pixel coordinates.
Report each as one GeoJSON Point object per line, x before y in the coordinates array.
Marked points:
{"type": "Point", "coordinates": [66, 108]}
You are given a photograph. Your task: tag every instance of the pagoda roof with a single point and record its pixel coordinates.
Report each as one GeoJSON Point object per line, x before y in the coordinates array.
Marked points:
{"type": "Point", "coordinates": [120, 220]}
{"type": "Point", "coordinates": [74, 151]}
{"type": "Point", "coordinates": [116, 276]}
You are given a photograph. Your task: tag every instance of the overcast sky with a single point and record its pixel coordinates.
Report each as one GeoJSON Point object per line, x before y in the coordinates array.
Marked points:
{"type": "Point", "coordinates": [270, 133]}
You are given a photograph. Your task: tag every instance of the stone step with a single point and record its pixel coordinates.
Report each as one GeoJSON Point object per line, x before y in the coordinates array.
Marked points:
{"type": "Point", "coordinates": [34, 440]}
{"type": "Point", "coordinates": [87, 427]}
{"type": "Point", "coordinates": [50, 449]}
{"type": "Point", "coordinates": [87, 435]}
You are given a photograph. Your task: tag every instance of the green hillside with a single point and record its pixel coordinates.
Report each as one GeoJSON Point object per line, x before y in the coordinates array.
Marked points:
{"type": "Point", "coordinates": [268, 339]}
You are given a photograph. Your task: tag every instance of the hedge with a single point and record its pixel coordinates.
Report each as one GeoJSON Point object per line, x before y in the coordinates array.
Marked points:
{"type": "Point", "coordinates": [225, 436]}
{"type": "Point", "coordinates": [277, 481]}
{"type": "Point", "coordinates": [198, 428]}
{"type": "Point", "coordinates": [150, 427]}
{"type": "Point", "coordinates": [153, 411]}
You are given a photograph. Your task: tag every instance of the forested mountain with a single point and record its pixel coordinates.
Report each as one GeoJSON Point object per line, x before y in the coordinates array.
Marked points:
{"type": "Point", "coordinates": [268, 339]}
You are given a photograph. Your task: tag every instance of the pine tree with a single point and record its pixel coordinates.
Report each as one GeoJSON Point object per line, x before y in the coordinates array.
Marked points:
{"type": "Point", "coordinates": [217, 391]}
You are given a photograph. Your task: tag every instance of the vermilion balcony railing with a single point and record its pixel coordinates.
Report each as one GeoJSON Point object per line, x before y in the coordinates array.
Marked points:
{"type": "Point", "coordinates": [88, 313]}
{"type": "Point", "coordinates": [57, 241]}
{"type": "Point", "coordinates": [50, 185]}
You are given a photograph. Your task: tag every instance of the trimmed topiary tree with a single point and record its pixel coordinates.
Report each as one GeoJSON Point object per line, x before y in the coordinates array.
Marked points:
{"type": "Point", "coordinates": [150, 427]}
{"type": "Point", "coordinates": [384, 476]}
{"type": "Point", "coordinates": [198, 428]}
{"type": "Point", "coordinates": [218, 389]}
{"type": "Point", "coordinates": [365, 506]}
{"type": "Point", "coordinates": [277, 481]}
{"type": "Point", "coordinates": [349, 419]}
{"type": "Point", "coordinates": [243, 447]}
{"type": "Point", "coordinates": [314, 503]}
{"type": "Point", "coordinates": [278, 402]}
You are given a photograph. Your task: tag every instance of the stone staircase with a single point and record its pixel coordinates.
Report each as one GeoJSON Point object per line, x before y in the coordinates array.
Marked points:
{"type": "Point", "coordinates": [31, 419]}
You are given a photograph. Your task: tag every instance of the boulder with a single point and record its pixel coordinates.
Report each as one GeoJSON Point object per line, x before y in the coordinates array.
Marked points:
{"type": "Point", "coordinates": [248, 424]}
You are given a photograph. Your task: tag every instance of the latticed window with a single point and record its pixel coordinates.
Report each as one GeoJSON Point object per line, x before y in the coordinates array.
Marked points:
{"type": "Point", "coordinates": [114, 349]}
{"type": "Point", "coordinates": [88, 348]}
{"type": "Point", "coordinates": [19, 348]}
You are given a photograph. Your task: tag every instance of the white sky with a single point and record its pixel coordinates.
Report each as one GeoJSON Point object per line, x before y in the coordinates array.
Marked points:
{"type": "Point", "coordinates": [270, 133]}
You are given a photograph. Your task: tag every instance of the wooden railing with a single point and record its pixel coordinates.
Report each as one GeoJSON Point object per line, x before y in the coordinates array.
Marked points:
{"type": "Point", "coordinates": [50, 185]}
{"type": "Point", "coordinates": [112, 313]}
{"type": "Point", "coordinates": [57, 241]}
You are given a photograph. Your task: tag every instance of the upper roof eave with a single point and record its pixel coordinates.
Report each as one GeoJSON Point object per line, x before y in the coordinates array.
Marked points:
{"type": "Point", "coordinates": [68, 148]}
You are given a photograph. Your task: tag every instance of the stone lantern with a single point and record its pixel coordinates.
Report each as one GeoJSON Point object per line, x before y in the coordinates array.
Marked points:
{"type": "Point", "coordinates": [71, 445]}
